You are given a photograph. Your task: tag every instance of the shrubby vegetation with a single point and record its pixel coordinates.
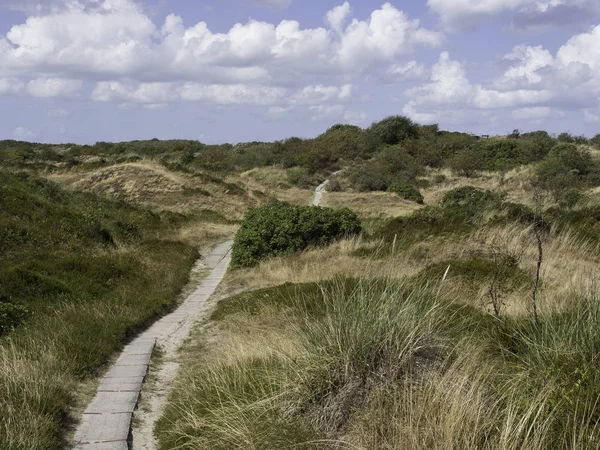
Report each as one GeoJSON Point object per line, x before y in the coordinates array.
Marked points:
{"type": "Point", "coordinates": [371, 360]}
{"type": "Point", "coordinates": [279, 228]}
{"type": "Point", "coordinates": [79, 274]}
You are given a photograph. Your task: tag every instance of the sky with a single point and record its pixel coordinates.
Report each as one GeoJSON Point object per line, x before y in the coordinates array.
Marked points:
{"type": "Point", "coordinates": [220, 71]}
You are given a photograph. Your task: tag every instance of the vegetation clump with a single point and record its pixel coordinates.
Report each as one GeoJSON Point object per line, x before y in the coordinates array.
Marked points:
{"type": "Point", "coordinates": [280, 228]}
{"type": "Point", "coordinates": [407, 192]}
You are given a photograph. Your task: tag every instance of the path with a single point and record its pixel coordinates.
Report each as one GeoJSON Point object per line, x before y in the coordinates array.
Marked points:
{"type": "Point", "coordinates": [319, 193]}
{"type": "Point", "coordinates": [106, 422]}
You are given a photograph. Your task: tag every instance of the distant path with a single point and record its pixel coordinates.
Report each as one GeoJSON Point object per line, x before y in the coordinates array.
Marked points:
{"type": "Point", "coordinates": [106, 423]}
{"type": "Point", "coordinates": [319, 193]}
{"type": "Point", "coordinates": [321, 189]}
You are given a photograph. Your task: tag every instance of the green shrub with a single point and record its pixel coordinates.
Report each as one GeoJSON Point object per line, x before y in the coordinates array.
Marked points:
{"type": "Point", "coordinates": [392, 164]}
{"type": "Point", "coordinates": [394, 130]}
{"type": "Point", "coordinates": [407, 192]}
{"type": "Point", "coordinates": [467, 163]}
{"type": "Point", "coordinates": [301, 177]}
{"type": "Point", "coordinates": [279, 228]}
{"type": "Point", "coordinates": [11, 316]}
{"type": "Point", "coordinates": [468, 196]}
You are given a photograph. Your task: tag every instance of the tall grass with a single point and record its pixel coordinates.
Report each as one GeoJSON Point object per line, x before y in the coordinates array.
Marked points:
{"type": "Point", "coordinates": [92, 272]}
{"type": "Point", "coordinates": [388, 365]}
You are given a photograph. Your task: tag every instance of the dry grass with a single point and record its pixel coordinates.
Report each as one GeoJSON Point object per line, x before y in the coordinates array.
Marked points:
{"type": "Point", "coordinates": [151, 184]}
{"type": "Point", "coordinates": [371, 205]}
{"type": "Point", "coordinates": [272, 182]}
{"type": "Point", "coordinates": [515, 186]}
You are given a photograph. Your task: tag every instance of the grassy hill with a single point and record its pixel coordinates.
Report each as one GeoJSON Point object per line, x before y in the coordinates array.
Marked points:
{"type": "Point", "coordinates": [418, 333]}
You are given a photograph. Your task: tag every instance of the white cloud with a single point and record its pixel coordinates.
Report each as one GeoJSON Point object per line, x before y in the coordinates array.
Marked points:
{"type": "Point", "coordinates": [116, 39]}
{"type": "Point", "coordinates": [573, 74]}
{"type": "Point", "coordinates": [461, 14]}
{"type": "Point", "coordinates": [411, 70]}
{"type": "Point", "coordinates": [338, 16]}
{"type": "Point", "coordinates": [531, 60]}
{"type": "Point", "coordinates": [388, 34]}
{"type": "Point", "coordinates": [450, 88]}
{"type": "Point", "coordinates": [23, 134]}
{"type": "Point", "coordinates": [54, 87]}
{"type": "Point", "coordinates": [10, 86]}
{"type": "Point", "coordinates": [222, 94]}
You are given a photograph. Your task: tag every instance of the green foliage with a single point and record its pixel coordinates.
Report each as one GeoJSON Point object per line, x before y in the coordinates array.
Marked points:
{"type": "Point", "coordinates": [561, 352]}
{"type": "Point", "coordinates": [566, 171]}
{"type": "Point", "coordinates": [407, 192]}
{"type": "Point", "coordinates": [392, 164]}
{"type": "Point", "coordinates": [468, 197]}
{"type": "Point", "coordinates": [11, 316]}
{"type": "Point", "coordinates": [459, 212]}
{"type": "Point", "coordinates": [467, 163]}
{"type": "Point", "coordinates": [81, 273]}
{"type": "Point", "coordinates": [393, 130]}
{"type": "Point", "coordinates": [279, 228]}
{"type": "Point", "coordinates": [566, 138]}
{"type": "Point", "coordinates": [347, 142]}
{"type": "Point", "coordinates": [541, 143]}
{"type": "Point", "coordinates": [301, 177]}
{"type": "Point", "coordinates": [476, 271]}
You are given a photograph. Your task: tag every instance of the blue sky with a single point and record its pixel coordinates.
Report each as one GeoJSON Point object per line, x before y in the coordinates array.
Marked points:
{"type": "Point", "coordinates": [241, 70]}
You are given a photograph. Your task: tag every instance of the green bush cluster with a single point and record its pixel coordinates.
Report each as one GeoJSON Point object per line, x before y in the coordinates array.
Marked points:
{"type": "Point", "coordinates": [279, 228]}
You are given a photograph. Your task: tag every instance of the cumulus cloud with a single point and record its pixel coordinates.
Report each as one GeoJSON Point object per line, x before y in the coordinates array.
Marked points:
{"type": "Point", "coordinates": [449, 87]}
{"type": "Point", "coordinates": [573, 74]}
{"type": "Point", "coordinates": [461, 14]}
{"type": "Point", "coordinates": [337, 17]}
{"type": "Point", "coordinates": [117, 39]}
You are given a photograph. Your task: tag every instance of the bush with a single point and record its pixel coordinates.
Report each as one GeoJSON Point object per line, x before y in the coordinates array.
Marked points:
{"type": "Point", "coordinates": [11, 316]}
{"type": "Point", "coordinates": [394, 130]}
{"type": "Point", "coordinates": [566, 172]}
{"type": "Point", "coordinates": [299, 176]}
{"type": "Point", "coordinates": [391, 165]}
{"type": "Point", "coordinates": [467, 163]}
{"type": "Point", "coordinates": [407, 192]}
{"type": "Point", "coordinates": [279, 228]}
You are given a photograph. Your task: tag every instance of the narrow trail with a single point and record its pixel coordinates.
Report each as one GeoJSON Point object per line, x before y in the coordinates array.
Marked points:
{"type": "Point", "coordinates": [107, 421]}
{"type": "Point", "coordinates": [319, 193]}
